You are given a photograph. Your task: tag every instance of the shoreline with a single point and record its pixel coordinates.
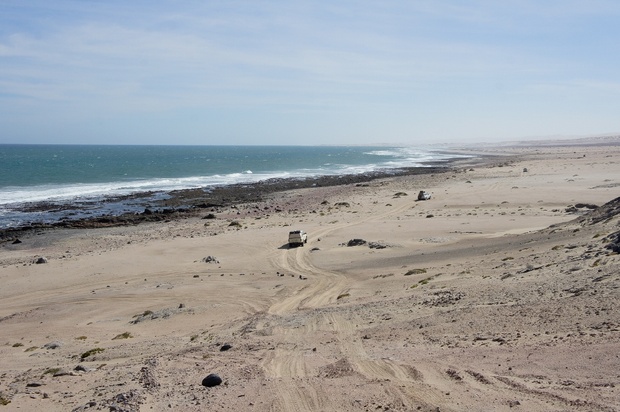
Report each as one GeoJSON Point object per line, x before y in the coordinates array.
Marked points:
{"type": "Point", "coordinates": [185, 203]}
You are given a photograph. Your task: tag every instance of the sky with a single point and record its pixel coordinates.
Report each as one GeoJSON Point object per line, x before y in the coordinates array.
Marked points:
{"type": "Point", "coordinates": [307, 72]}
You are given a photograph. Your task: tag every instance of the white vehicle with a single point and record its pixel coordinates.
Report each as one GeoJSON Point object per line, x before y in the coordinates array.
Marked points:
{"type": "Point", "coordinates": [424, 195]}
{"type": "Point", "coordinates": [297, 238]}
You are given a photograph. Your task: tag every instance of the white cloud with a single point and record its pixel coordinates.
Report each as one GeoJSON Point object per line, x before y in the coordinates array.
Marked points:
{"type": "Point", "coordinates": [138, 57]}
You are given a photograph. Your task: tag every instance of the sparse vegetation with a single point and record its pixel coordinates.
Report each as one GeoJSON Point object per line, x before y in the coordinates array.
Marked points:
{"type": "Point", "coordinates": [235, 223]}
{"type": "Point", "coordinates": [507, 258]}
{"type": "Point", "coordinates": [81, 338]}
{"type": "Point", "coordinates": [343, 295]}
{"type": "Point", "coordinates": [51, 371]}
{"type": "Point", "coordinates": [145, 313]}
{"type": "Point", "coordinates": [91, 352]}
{"type": "Point", "coordinates": [415, 272]}
{"type": "Point", "coordinates": [124, 335]}
{"type": "Point", "coordinates": [32, 348]}
{"type": "Point", "coordinates": [18, 344]}
{"type": "Point", "coordinates": [4, 401]}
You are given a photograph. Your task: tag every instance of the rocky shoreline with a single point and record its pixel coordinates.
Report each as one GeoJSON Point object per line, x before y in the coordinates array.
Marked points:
{"type": "Point", "coordinates": [187, 203]}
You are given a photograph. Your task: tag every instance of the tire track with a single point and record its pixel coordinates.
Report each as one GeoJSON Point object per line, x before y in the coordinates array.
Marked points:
{"type": "Point", "coordinates": [287, 363]}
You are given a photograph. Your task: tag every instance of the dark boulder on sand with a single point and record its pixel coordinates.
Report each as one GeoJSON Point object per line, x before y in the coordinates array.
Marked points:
{"type": "Point", "coordinates": [211, 380]}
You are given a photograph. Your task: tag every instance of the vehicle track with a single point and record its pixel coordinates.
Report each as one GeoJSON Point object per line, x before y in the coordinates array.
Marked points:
{"type": "Point", "coordinates": [288, 362]}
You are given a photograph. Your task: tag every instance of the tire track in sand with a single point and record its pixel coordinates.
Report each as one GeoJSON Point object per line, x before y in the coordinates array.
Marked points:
{"type": "Point", "coordinates": [287, 363]}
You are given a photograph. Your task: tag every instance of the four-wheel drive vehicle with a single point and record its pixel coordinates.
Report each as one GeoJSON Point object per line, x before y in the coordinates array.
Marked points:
{"type": "Point", "coordinates": [424, 195]}
{"type": "Point", "coordinates": [297, 237]}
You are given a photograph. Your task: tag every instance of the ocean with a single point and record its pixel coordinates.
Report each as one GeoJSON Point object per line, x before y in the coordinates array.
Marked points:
{"type": "Point", "coordinates": [46, 183]}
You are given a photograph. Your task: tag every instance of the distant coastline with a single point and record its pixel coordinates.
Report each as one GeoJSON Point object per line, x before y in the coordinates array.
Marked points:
{"type": "Point", "coordinates": [185, 203]}
{"type": "Point", "coordinates": [72, 185]}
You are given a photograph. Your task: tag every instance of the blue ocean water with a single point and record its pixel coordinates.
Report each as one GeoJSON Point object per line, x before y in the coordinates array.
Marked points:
{"type": "Point", "coordinates": [87, 174]}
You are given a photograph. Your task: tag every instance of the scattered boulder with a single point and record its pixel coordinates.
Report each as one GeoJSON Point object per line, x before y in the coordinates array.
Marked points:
{"type": "Point", "coordinates": [581, 208]}
{"type": "Point", "coordinates": [614, 242]}
{"type": "Point", "coordinates": [225, 347]}
{"type": "Point", "coordinates": [16, 242]}
{"type": "Point", "coordinates": [210, 259]}
{"type": "Point", "coordinates": [63, 372]}
{"type": "Point", "coordinates": [52, 345]}
{"type": "Point", "coordinates": [376, 245]}
{"type": "Point", "coordinates": [356, 242]}
{"type": "Point", "coordinates": [40, 260]}
{"type": "Point", "coordinates": [211, 380]}
{"type": "Point", "coordinates": [82, 368]}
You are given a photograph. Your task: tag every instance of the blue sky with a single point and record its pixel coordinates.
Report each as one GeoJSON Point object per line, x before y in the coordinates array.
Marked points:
{"type": "Point", "coordinates": [307, 72]}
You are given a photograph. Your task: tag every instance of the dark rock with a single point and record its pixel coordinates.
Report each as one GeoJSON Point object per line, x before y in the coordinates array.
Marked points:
{"type": "Point", "coordinates": [34, 384]}
{"type": "Point", "coordinates": [376, 245]}
{"type": "Point", "coordinates": [211, 380]}
{"type": "Point", "coordinates": [225, 347]}
{"type": "Point", "coordinates": [356, 242]}
{"type": "Point", "coordinates": [17, 242]}
{"type": "Point", "coordinates": [40, 260]}
{"type": "Point", "coordinates": [210, 259]}
{"type": "Point", "coordinates": [586, 206]}
{"type": "Point", "coordinates": [52, 345]}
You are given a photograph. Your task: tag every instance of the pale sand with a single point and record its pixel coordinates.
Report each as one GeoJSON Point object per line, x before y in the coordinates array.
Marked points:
{"type": "Point", "coordinates": [501, 312]}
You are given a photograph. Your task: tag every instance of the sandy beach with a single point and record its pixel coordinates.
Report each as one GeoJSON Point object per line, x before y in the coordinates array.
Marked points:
{"type": "Point", "coordinates": [499, 293]}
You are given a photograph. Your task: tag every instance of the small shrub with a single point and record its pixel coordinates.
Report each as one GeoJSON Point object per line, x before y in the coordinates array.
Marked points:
{"type": "Point", "coordinates": [18, 344]}
{"type": "Point", "coordinates": [4, 401]}
{"type": "Point", "coordinates": [415, 272]}
{"type": "Point", "coordinates": [557, 247]}
{"type": "Point", "coordinates": [91, 352]}
{"type": "Point", "coordinates": [343, 295]}
{"type": "Point", "coordinates": [124, 335]}
{"type": "Point", "coordinates": [51, 371]}
{"type": "Point", "coordinates": [507, 258]}
{"type": "Point", "coordinates": [235, 223]}
{"type": "Point", "coordinates": [81, 338]}
{"type": "Point", "coordinates": [145, 313]}
{"type": "Point", "coordinates": [32, 348]}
